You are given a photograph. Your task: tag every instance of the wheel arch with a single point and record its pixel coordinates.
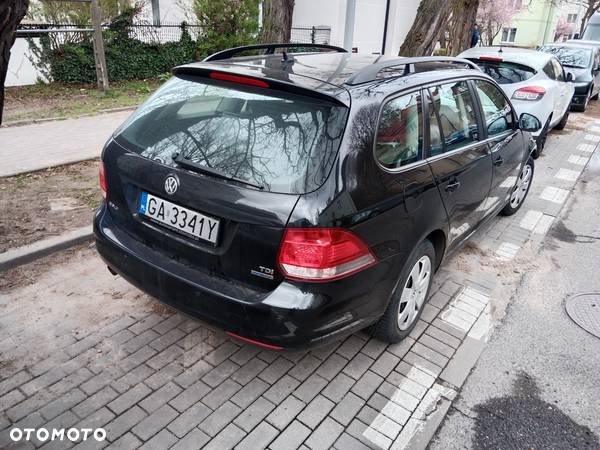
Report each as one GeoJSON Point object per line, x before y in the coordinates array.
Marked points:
{"type": "Point", "coordinates": [438, 239]}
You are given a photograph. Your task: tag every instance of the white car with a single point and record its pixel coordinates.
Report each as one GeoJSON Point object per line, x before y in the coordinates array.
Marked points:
{"type": "Point", "coordinates": [535, 82]}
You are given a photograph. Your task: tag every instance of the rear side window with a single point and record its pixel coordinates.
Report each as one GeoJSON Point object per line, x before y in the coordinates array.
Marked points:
{"type": "Point", "coordinates": [497, 111]}
{"type": "Point", "coordinates": [276, 140]}
{"type": "Point", "coordinates": [400, 132]}
{"type": "Point", "coordinates": [454, 107]}
{"type": "Point", "coordinates": [505, 72]}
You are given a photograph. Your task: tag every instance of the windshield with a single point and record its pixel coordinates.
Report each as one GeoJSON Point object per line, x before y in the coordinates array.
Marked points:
{"type": "Point", "coordinates": [592, 32]}
{"type": "Point", "coordinates": [278, 141]}
{"type": "Point", "coordinates": [571, 57]}
{"type": "Point", "coordinates": [505, 72]}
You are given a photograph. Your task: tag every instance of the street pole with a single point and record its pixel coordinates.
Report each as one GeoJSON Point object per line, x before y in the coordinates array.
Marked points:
{"type": "Point", "coordinates": [101, 72]}
{"type": "Point", "coordinates": [349, 25]}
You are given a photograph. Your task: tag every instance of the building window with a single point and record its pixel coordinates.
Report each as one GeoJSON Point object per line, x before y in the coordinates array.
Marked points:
{"type": "Point", "coordinates": [571, 18]}
{"type": "Point", "coordinates": [508, 34]}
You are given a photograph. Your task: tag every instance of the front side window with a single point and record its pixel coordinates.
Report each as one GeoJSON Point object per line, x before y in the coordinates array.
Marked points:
{"type": "Point", "coordinates": [400, 132]}
{"type": "Point", "coordinates": [549, 70]}
{"type": "Point", "coordinates": [497, 112]}
{"type": "Point", "coordinates": [558, 70]}
{"type": "Point", "coordinates": [455, 109]}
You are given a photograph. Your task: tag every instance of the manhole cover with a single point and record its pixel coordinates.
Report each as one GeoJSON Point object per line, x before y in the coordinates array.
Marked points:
{"type": "Point", "coordinates": [584, 309]}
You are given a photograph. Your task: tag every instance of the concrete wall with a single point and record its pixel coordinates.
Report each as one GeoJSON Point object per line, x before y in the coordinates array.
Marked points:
{"type": "Point", "coordinates": [369, 21]}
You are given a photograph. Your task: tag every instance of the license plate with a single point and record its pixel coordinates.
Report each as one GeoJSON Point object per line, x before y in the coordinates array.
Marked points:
{"type": "Point", "coordinates": [179, 218]}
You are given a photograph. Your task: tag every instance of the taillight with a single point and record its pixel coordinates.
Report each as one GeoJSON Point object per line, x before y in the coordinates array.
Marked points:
{"type": "Point", "coordinates": [238, 79]}
{"type": "Point", "coordinates": [102, 179]}
{"type": "Point", "coordinates": [529, 93]}
{"type": "Point", "coordinates": [322, 254]}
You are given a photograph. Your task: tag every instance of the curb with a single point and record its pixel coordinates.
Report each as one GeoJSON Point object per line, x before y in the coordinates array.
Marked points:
{"type": "Point", "coordinates": [20, 123]}
{"type": "Point", "coordinates": [28, 253]}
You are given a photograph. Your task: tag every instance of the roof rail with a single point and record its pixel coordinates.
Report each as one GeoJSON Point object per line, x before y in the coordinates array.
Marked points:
{"type": "Point", "coordinates": [269, 49]}
{"type": "Point", "coordinates": [369, 73]}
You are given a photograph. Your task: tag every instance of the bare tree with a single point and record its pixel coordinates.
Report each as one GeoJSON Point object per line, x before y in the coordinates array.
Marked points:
{"type": "Point", "coordinates": [462, 19]}
{"type": "Point", "coordinates": [431, 18]}
{"type": "Point", "coordinates": [493, 15]}
{"type": "Point", "coordinates": [277, 20]}
{"type": "Point", "coordinates": [11, 13]}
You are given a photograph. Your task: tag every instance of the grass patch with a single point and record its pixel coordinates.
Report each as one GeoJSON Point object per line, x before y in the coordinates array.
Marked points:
{"type": "Point", "coordinates": [42, 101]}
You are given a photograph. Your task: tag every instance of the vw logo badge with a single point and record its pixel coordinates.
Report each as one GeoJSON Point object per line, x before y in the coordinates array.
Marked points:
{"type": "Point", "coordinates": [171, 185]}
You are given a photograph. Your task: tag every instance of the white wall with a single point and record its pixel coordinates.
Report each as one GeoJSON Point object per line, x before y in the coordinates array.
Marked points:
{"type": "Point", "coordinates": [369, 20]}
{"type": "Point", "coordinates": [20, 70]}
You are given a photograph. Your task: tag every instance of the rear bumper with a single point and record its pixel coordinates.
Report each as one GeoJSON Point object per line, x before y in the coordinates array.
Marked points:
{"type": "Point", "coordinates": [291, 316]}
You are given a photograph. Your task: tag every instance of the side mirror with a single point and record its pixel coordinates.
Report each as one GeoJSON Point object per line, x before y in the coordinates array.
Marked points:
{"type": "Point", "coordinates": [528, 122]}
{"type": "Point", "coordinates": [570, 77]}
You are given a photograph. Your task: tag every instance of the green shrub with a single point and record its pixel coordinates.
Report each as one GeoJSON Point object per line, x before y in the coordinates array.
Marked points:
{"type": "Point", "coordinates": [126, 58]}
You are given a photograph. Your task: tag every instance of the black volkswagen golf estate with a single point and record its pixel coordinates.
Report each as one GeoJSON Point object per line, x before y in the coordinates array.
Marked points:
{"type": "Point", "coordinates": [293, 198]}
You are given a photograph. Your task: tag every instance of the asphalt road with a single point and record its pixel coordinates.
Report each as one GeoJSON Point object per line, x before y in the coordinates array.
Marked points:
{"type": "Point", "coordinates": [537, 383]}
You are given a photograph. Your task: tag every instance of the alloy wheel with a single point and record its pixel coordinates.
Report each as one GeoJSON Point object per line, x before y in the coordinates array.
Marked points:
{"type": "Point", "coordinates": [414, 293]}
{"type": "Point", "coordinates": [522, 187]}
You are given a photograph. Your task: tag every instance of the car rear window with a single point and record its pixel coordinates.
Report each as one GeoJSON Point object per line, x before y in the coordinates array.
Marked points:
{"type": "Point", "coordinates": [279, 141]}
{"type": "Point", "coordinates": [571, 57]}
{"type": "Point", "coordinates": [504, 72]}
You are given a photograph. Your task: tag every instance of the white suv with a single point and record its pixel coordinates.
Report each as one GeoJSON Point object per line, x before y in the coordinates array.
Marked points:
{"type": "Point", "coordinates": [535, 82]}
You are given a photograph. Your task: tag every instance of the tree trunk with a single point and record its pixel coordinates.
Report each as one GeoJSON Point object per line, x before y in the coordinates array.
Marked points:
{"type": "Point", "coordinates": [464, 13]}
{"type": "Point", "coordinates": [11, 13]}
{"type": "Point", "coordinates": [277, 21]}
{"type": "Point", "coordinates": [431, 18]}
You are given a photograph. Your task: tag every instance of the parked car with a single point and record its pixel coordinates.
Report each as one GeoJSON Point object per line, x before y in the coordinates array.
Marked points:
{"type": "Point", "coordinates": [583, 63]}
{"type": "Point", "coordinates": [535, 82]}
{"type": "Point", "coordinates": [295, 199]}
{"type": "Point", "coordinates": [592, 29]}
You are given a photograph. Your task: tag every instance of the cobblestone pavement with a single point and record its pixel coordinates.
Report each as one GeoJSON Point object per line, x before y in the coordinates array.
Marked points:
{"type": "Point", "coordinates": [82, 349]}
{"type": "Point", "coordinates": [40, 145]}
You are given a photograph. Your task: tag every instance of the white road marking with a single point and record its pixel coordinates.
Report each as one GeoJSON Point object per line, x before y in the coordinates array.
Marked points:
{"type": "Point", "coordinates": [531, 219]}
{"type": "Point", "coordinates": [591, 138]}
{"type": "Point", "coordinates": [578, 160]}
{"type": "Point", "coordinates": [566, 174]}
{"type": "Point", "coordinates": [554, 194]}
{"type": "Point", "coordinates": [594, 129]}
{"type": "Point", "coordinates": [588, 148]}
{"type": "Point", "coordinates": [506, 251]}
{"type": "Point", "coordinates": [544, 224]}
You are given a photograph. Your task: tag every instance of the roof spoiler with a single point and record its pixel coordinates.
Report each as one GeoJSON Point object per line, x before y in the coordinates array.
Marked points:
{"type": "Point", "coordinates": [270, 49]}
{"type": "Point", "coordinates": [369, 73]}
{"type": "Point", "coordinates": [242, 76]}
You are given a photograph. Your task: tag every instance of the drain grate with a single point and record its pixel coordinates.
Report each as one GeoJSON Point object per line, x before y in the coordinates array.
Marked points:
{"type": "Point", "coordinates": [584, 310]}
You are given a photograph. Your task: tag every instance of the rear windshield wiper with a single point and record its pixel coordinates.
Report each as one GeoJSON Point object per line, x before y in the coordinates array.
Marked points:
{"type": "Point", "coordinates": [188, 164]}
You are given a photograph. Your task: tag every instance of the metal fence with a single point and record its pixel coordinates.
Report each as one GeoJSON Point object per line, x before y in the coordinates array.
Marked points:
{"type": "Point", "coordinates": [313, 35]}
{"type": "Point", "coordinates": [61, 33]}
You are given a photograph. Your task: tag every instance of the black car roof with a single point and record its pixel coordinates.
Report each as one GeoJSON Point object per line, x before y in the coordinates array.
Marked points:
{"type": "Point", "coordinates": [332, 73]}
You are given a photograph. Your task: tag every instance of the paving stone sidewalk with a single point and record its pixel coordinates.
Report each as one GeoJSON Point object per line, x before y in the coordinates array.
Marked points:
{"type": "Point", "coordinates": [163, 380]}
{"type": "Point", "coordinates": [37, 146]}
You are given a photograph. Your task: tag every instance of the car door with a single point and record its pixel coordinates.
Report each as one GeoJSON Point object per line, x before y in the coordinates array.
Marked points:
{"type": "Point", "coordinates": [596, 71]}
{"type": "Point", "coordinates": [505, 141]}
{"type": "Point", "coordinates": [459, 159]}
{"type": "Point", "coordinates": [565, 89]}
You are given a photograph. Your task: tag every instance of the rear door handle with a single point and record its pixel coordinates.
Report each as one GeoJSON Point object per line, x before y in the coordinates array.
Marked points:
{"type": "Point", "coordinates": [451, 187]}
{"type": "Point", "coordinates": [498, 161]}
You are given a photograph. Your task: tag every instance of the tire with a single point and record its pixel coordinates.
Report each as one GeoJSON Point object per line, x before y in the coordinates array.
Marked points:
{"type": "Point", "coordinates": [594, 97]}
{"type": "Point", "coordinates": [541, 139]}
{"type": "Point", "coordinates": [520, 191]}
{"type": "Point", "coordinates": [563, 122]}
{"type": "Point", "coordinates": [420, 265]}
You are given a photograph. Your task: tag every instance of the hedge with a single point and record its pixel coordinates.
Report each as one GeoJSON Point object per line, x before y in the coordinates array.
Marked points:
{"type": "Point", "coordinates": [126, 58]}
